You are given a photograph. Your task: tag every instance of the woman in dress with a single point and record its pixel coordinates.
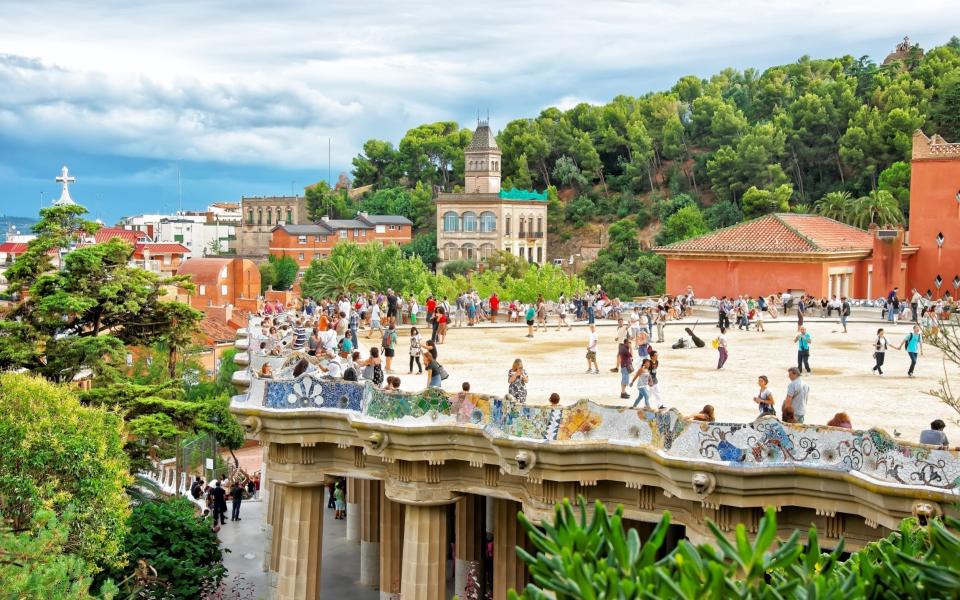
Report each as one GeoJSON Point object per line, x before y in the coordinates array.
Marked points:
{"type": "Point", "coordinates": [372, 370]}
{"type": "Point", "coordinates": [517, 381]}
{"type": "Point", "coordinates": [415, 349]}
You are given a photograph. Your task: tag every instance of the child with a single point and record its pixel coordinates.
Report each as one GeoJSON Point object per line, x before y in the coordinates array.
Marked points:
{"type": "Point", "coordinates": [642, 378]}
{"type": "Point", "coordinates": [562, 315]}
{"type": "Point", "coordinates": [341, 503]}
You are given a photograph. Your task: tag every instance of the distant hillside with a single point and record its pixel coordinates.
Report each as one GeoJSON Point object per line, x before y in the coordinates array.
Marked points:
{"type": "Point", "coordinates": [22, 224]}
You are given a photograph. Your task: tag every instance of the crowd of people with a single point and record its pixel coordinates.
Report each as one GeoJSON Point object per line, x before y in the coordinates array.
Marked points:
{"type": "Point", "coordinates": [217, 492]}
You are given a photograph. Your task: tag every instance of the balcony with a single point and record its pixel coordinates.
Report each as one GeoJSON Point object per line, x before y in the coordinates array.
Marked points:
{"type": "Point", "coordinates": [531, 235]}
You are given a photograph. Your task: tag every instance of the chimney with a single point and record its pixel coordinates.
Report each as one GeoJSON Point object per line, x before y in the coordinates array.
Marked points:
{"type": "Point", "coordinates": [364, 214]}
{"type": "Point", "coordinates": [325, 218]}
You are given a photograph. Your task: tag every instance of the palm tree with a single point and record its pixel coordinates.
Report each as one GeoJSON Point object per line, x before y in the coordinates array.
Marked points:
{"type": "Point", "coordinates": [335, 276]}
{"type": "Point", "coordinates": [835, 205]}
{"type": "Point", "coordinates": [878, 207]}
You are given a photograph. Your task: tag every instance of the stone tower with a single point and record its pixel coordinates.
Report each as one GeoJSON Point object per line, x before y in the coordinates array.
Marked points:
{"type": "Point", "coordinates": [482, 162]}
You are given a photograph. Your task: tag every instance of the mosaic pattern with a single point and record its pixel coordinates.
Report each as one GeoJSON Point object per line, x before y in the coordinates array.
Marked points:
{"type": "Point", "coordinates": [310, 391]}
{"type": "Point", "coordinates": [390, 406]}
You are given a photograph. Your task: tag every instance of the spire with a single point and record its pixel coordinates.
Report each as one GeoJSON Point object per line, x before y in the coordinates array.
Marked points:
{"type": "Point", "coordinates": [65, 179]}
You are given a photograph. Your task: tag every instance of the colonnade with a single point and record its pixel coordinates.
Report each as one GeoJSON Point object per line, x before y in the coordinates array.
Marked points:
{"type": "Point", "coordinates": [405, 547]}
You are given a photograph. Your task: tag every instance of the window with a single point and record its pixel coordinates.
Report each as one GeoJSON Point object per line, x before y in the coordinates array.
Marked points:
{"type": "Point", "coordinates": [223, 289]}
{"type": "Point", "coordinates": [166, 259]}
{"type": "Point", "coordinates": [381, 229]}
{"type": "Point", "coordinates": [289, 215]}
{"type": "Point", "coordinates": [522, 223]}
{"type": "Point", "coordinates": [469, 221]}
{"type": "Point", "coordinates": [486, 251]}
{"type": "Point", "coordinates": [250, 217]}
{"type": "Point", "coordinates": [203, 290]}
{"type": "Point", "coordinates": [322, 238]}
{"type": "Point", "coordinates": [488, 222]}
{"type": "Point", "coordinates": [450, 252]}
{"type": "Point", "coordinates": [343, 234]}
{"type": "Point", "coordinates": [301, 256]}
{"type": "Point", "coordinates": [269, 216]}
{"type": "Point", "coordinates": [468, 252]}
{"type": "Point", "coordinates": [393, 228]}
{"type": "Point", "coordinates": [356, 233]}
{"type": "Point", "coordinates": [260, 217]}
{"type": "Point", "coordinates": [450, 221]}
{"type": "Point", "coordinates": [301, 239]}
{"type": "Point", "coordinates": [539, 254]}
{"type": "Point", "coordinates": [508, 227]}
{"type": "Point", "coordinates": [539, 225]}
{"type": "Point", "coordinates": [178, 238]}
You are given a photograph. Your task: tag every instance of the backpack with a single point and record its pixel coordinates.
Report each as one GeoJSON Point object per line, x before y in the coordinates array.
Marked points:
{"type": "Point", "coordinates": [387, 339]}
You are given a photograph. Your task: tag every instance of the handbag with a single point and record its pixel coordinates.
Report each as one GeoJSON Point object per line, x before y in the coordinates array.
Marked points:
{"type": "Point", "coordinates": [443, 373]}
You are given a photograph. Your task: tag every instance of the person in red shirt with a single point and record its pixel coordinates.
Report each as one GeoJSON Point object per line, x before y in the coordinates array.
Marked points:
{"type": "Point", "coordinates": [494, 307]}
{"type": "Point", "coordinates": [431, 307]}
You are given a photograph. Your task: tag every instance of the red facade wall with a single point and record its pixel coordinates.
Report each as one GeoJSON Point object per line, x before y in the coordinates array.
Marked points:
{"type": "Point", "coordinates": [734, 277]}
{"type": "Point", "coordinates": [934, 209]}
{"type": "Point", "coordinates": [283, 243]}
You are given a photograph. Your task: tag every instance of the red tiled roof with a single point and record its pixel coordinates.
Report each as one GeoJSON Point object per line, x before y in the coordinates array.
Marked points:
{"type": "Point", "coordinates": [204, 271]}
{"type": "Point", "coordinates": [161, 248]}
{"type": "Point", "coordinates": [13, 247]}
{"type": "Point", "coordinates": [217, 330]}
{"type": "Point", "coordinates": [105, 234]}
{"type": "Point", "coordinates": [780, 233]}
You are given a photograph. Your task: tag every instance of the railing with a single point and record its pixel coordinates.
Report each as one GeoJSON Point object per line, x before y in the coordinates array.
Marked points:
{"type": "Point", "coordinates": [531, 234]}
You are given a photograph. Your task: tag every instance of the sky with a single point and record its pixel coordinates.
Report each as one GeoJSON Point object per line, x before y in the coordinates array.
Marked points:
{"type": "Point", "coordinates": [156, 105]}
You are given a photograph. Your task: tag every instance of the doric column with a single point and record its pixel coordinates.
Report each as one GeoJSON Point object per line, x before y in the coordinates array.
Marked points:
{"type": "Point", "coordinates": [353, 510]}
{"type": "Point", "coordinates": [391, 547]}
{"type": "Point", "coordinates": [509, 571]}
{"type": "Point", "coordinates": [301, 545]}
{"type": "Point", "coordinates": [468, 543]}
{"type": "Point", "coordinates": [424, 553]}
{"type": "Point", "coordinates": [370, 493]}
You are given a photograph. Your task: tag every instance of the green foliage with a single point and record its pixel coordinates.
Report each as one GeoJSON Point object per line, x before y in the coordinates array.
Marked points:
{"type": "Point", "coordinates": [723, 214]}
{"type": "Point", "coordinates": [686, 223]}
{"type": "Point", "coordinates": [268, 276]}
{"type": "Point", "coordinates": [666, 207]}
{"type": "Point", "coordinates": [548, 280]}
{"type": "Point", "coordinates": [896, 180]}
{"type": "Point", "coordinates": [459, 267]}
{"type": "Point", "coordinates": [170, 537]}
{"type": "Point", "coordinates": [578, 557]}
{"type": "Point", "coordinates": [332, 277]}
{"type": "Point", "coordinates": [581, 210]}
{"type": "Point", "coordinates": [507, 263]}
{"type": "Point", "coordinates": [568, 173]}
{"type": "Point", "coordinates": [878, 207]}
{"type": "Point", "coordinates": [758, 202]}
{"type": "Point", "coordinates": [836, 205]}
{"type": "Point", "coordinates": [423, 246]}
{"type": "Point", "coordinates": [433, 153]}
{"type": "Point", "coordinates": [285, 270]}
{"type": "Point", "coordinates": [56, 454]}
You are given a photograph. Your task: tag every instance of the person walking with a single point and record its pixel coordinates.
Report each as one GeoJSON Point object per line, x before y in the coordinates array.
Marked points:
{"type": "Point", "coordinates": [914, 344]}
{"type": "Point", "coordinates": [795, 402]}
{"type": "Point", "coordinates": [517, 381]}
{"type": "Point", "coordinates": [879, 351]}
{"type": "Point", "coordinates": [434, 371]}
{"type": "Point", "coordinates": [764, 398]}
{"type": "Point", "coordinates": [494, 307]}
{"type": "Point", "coordinates": [803, 340]}
{"type": "Point", "coordinates": [844, 312]}
{"type": "Point", "coordinates": [218, 497]}
{"type": "Point", "coordinates": [530, 315]}
{"type": "Point", "coordinates": [626, 367]}
{"type": "Point", "coordinates": [372, 370]}
{"type": "Point", "coordinates": [389, 344]}
{"type": "Point", "coordinates": [721, 345]}
{"type": "Point", "coordinates": [340, 501]}
{"type": "Point", "coordinates": [415, 350]}
{"type": "Point", "coordinates": [593, 341]}
{"type": "Point", "coordinates": [236, 495]}
{"type": "Point", "coordinates": [642, 378]}
{"type": "Point", "coordinates": [915, 305]}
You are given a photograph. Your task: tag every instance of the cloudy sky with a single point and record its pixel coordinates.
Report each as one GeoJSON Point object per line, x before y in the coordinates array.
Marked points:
{"type": "Point", "coordinates": [242, 97]}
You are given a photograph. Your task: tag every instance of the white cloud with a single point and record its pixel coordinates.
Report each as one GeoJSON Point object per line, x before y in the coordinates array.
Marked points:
{"type": "Point", "coordinates": [266, 83]}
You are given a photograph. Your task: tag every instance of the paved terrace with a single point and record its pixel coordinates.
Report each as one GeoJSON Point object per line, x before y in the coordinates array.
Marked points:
{"type": "Point", "coordinates": [417, 453]}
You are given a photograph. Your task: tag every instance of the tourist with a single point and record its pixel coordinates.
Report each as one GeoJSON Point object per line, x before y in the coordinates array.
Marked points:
{"type": "Point", "coordinates": [353, 323]}
{"type": "Point", "coordinates": [414, 309]}
{"type": "Point", "coordinates": [935, 435]}
{"type": "Point", "coordinates": [236, 495]}
{"type": "Point", "coordinates": [844, 312]}
{"type": "Point", "coordinates": [562, 314]}
{"type": "Point", "coordinates": [389, 344]}
{"type": "Point", "coordinates": [642, 378]}
{"type": "Point", "coordinates": [266, 371]}
{"type": "Point", "coordinates": [797, 395]}
{"type": "Point", "coordinates": [626, 368]}
{"type": "Point", "coordinates": [517, 381]}
{"type": "Point", "coordinates": [434, 370]}
{"type": "Point", "coordinates": [914, 344]}
{"type": "Point", "coordinates": [431, 306]}
{"type": "Point", "coordinates": [218, 502]}
{"type": "Point", "coordinates": [341, 326]}
{"type": "Point", "coordinates": [471, 307]}
{"type": "Point", "coordinates": [705, 415]}
{"type": "Point", "coordinates": [589, 301]}
{"type": "Point", "coordinates": [893, 304]}
{"type": "Point", "coordinates": [339, 496]}
{"type": "Point", "coordinates": [374, 320]}
{"type": "Point", "coordinates": [654, 380]}
{"type": "Point", "coordinates": [801, 309]}
{"type": "Point", "coordinates": [764, 398]}
{"type": "Point", "coordinates": [314, 342]}
{"type": "Point", "coordinates": [757, 316]}
{"type": "Point", "coordinates": [879, 351]}
{"type": "Point", "coordinates": [721, 345]}
{"type": "Point", "coordinates": [531, 312]}
{"type": "Point", "coordinates": [541, 305]}
{"type": "Point", "coordinates": [841, 419]}
{"type": "Point", "coordinates": [372, 370]}
{"type": "Point", "coordinates": [660, 320]}
{"type": "Point", "coordinates": [415, 350]}
{"type": "Point", "coordinates": [803, 340]}
{"type": "Point", "coordinates": [443, 321]}
{"type": "Point", "coordinates": [302, 366]}
{"type": "Point", "coordinates": [431, 348]}
{"type": "Point", "coordinates": [393, 383]}
{"type": "Point", "coordinates": [916, 304]}
{"type": "Point", "coordinates": [623, 333]}
{"type": "Point", "coordinates": [593, 339]}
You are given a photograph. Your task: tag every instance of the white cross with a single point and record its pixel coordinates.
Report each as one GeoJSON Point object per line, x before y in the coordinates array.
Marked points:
{"type": "Point", "coordinates": [65, 179]}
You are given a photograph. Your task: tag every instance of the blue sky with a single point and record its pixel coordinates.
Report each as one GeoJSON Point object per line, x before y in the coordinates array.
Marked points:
{"type": "Point", "coordinates": [243, 96]}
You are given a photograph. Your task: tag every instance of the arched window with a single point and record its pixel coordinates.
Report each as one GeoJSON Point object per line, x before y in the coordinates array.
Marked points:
{"type": "Point", "coordinates": [450, 221]}
{"type": "Point", "coordinates": [470, 221]}
{"type": "Point", "coordinates": [488, 222]}
{"type": "Point", "coordinates": [486, 251]}
{"type": "Point", "coordinates": [260, 217]}
{"type": "Point", "coordinates": [289, 215]}
{"type": "Point", "coordinates": [269, 216]}
{"type": "Point", "coordinates": [250, 217]}
{"type": "Point", "coordinates": [539, 225]}
{"type": "Point", "coordinates": [508, 227]}
{"type": "Point", "coordinates": [468, 252]}
{"type": "Point", "coordinates": [450, 252]}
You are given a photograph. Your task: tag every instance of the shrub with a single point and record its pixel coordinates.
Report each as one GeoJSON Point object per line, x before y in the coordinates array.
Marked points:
{"type": "Point", "coordinates": [458, 267]}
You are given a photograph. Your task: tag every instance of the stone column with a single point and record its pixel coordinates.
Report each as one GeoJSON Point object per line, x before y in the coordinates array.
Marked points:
{"type": "Point", "coordinates": [353, 510]}
{"type": "Point", "coordinates": [391, 547]}
{"type": "Point", "coordinates": [468, 544]}
{"type": "Point", "coordinates": [424, 553]}
{"type": "Point", "coordinates": [301, 546]}
{"type": "Point", "coordinates": [509, 571]}
{"type": "Point", "coordinates": [370, 493]}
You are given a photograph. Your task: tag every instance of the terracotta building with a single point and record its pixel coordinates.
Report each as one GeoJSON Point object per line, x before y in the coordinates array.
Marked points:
{"type": "Point", "coordinates": [815, 255]}
{"type": "Point", "coordinates": [261, 214]}
{"type": "Point", "coordinates": [223, 281]}
{"type": "Point", "coordinates": [483, 218]}
{"type": "Point", "coordinates": [305, 242]}
{"type": "Point", "coordinates": [159, 257]}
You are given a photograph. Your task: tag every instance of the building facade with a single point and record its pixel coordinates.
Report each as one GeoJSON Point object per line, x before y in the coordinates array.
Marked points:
{"type": "Point", "coordinates": [306, 242]}
{"type": "Point", "coordinates": [204, 233]}
{"type": "Point", "coordinates": [260, 215]}
{"type": "Point", "coordinates": [472, 225]}
{"type": "Point", "coordinates": [219, 282]}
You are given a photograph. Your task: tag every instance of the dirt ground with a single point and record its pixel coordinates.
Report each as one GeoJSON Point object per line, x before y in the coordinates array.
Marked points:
{"type": "Point", "coordinates": [841, 380]}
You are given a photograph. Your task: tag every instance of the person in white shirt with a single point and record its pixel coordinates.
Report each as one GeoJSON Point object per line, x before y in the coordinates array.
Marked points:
{"type": "Point", "coordinates": [344, 306]}
{"type": "Point", "coordinates": [592, 342]}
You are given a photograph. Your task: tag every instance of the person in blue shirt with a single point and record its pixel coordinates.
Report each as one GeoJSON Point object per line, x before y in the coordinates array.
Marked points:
{"type": "Point", "coordinates": [914, 344]}
{"type": "Point", "coordinates": [803, 340]}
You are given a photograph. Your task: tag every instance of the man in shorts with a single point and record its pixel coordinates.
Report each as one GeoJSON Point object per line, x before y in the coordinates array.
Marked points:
{"type": "Point", "coordinates": [592, 342]}
{"type": "Point", "coordinates": [393, 307]}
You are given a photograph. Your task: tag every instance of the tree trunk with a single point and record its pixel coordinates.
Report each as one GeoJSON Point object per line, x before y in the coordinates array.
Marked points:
{"type": "Point", "coordinates": [603, 181]}
{"type": "Point", "coordinates": [172, 362]}
{"type": "Point", "coordinates": [650, 177]}
{"type": "Point", "coordinates": [839, 167]}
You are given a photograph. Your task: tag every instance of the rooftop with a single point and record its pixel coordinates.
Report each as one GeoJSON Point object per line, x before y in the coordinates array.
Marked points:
{"type": "Point", "coordinates": [515, 194]}
{"type": "Point", "coordinates": [161, 248]}
{"type": "Point", "coordinates": [105, 234]}
{"type": "Point", "coordinates": [483, 139]}
{"type": "Point", "coordinates": [779, 233]}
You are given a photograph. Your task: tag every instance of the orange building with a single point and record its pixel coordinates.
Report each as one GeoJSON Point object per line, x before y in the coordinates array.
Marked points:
{"type": "Point", "coordinates": [819, 256]}
{"type": "Point", "coordinates": [305, 242]}
{"type": "Point", "coordinates": [935, 215]}
{"type": "Point", "coordinates": [223, 281]}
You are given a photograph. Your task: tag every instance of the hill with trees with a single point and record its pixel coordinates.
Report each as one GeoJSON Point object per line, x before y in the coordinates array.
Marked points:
{"type": "Point", "coordinates": [830, 135]}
